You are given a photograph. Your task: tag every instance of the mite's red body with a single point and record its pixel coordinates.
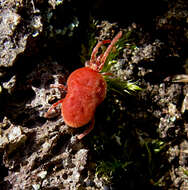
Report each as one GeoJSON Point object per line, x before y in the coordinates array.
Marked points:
{"type": "Point", "coordinates": [86, 89]}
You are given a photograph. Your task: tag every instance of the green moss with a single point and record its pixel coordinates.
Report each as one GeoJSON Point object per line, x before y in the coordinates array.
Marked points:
{"type": "Point", "coordinates": [122, 154]}
{"type": "Point", "coordinates": [185, 171]}
{"type": "Point", "coordinates": [120, 86]}
{"type": "Point", "coordinates": [107, 169]}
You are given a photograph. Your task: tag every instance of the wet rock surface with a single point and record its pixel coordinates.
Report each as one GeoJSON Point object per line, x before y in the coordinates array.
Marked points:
{"type": "Point", "coordinates": [139, 140]}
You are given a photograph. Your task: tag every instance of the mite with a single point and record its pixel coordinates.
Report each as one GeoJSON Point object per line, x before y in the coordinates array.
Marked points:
{"type": "Point", "coordinates": [86, 89]}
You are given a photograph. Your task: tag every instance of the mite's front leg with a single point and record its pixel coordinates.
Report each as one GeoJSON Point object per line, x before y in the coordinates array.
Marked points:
{"type": "Point", "coordinates": [95, 50]}
{"type": "Point", "coordinates": [60, 86]}
{"type": "Point", "coordinates": [47, 114]}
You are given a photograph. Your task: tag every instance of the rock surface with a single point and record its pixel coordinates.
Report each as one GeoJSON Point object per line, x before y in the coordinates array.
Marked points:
{"type": "Point", "coordinates": [138, 141]}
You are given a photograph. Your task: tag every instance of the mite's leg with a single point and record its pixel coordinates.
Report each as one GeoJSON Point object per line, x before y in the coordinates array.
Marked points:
{"type": "Point", "coordinates": [107, 74]}
{"type": "Point", "coordinates": [98, 60]}
{"type": "Point", "coordinates": [52, 107]}
{"type": "Point", "coordinates": [61, 86]}
{"type": "Point", "coordinates": [106, 53]}
{"type": "Point", "coordinates": [95, 50]}
{"type": "Point", "coordinates": [80, 136]}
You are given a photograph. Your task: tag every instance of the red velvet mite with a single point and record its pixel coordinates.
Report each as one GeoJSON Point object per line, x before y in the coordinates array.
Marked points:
{"type": "Point", "coordinates": [86, 89]}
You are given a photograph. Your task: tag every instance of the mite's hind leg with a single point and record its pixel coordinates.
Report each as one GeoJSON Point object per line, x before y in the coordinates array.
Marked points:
{"type": "Point", "coordinates": [80, 136]}
{"type": "Point", "coordinates": [47, 114]}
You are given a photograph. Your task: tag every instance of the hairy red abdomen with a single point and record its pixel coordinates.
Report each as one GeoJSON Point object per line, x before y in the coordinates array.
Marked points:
{"type": "Point", "coordinates": [86, 90]}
